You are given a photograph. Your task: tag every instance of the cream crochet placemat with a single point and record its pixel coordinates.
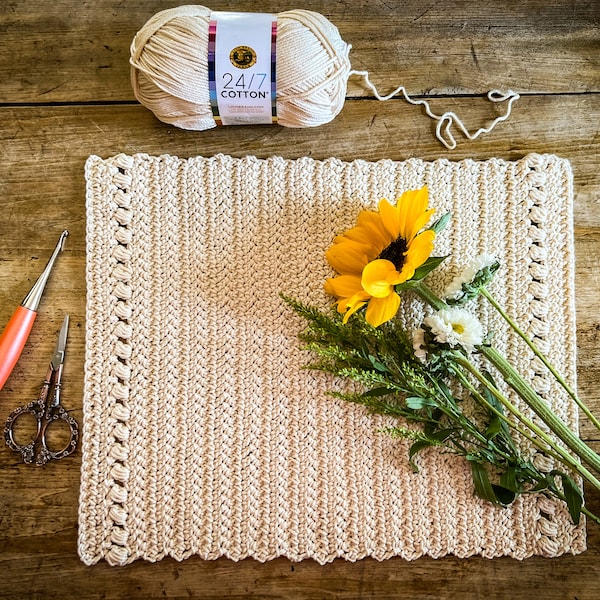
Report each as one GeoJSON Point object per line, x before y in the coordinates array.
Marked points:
{"type": "Point", "coordinates": [202, 434]}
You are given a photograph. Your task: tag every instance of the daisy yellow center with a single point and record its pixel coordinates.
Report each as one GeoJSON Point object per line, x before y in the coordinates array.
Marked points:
{"type": "Point", "coordinates": [395, 253]}
{"type": "Point", "coordinates": [458, 328]}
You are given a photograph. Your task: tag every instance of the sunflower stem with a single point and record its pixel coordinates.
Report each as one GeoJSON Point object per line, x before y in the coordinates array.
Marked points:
{"type": "Point", "coordinates": [428, 295]}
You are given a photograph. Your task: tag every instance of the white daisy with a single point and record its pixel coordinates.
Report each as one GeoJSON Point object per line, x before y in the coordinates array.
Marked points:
{"type": "Point", "coordinates": [483, 261]}
{"type": "Point", "coordinates": [455, 327]}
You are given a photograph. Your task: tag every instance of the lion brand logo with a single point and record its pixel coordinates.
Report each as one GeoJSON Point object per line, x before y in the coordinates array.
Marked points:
{"type": "Point", "coordinates": [242, 57]}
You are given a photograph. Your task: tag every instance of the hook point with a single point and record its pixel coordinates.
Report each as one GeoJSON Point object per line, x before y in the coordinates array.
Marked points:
{"type": "Point", "coordinates": [61, 241]}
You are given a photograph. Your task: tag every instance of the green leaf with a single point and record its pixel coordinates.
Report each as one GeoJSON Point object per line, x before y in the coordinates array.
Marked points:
{"type": "Point", "coordinates": [429, 265]}
{"type": "Point", "coordinates": [540, 486]}
{"type": "Point", "coordinates": [442, 434]}
{"type": "Point", "coordinates": [508, 480]}
{"type": "Point", "coordinates": [417, 447]}
{"type": "Point", "coordinates": [504, 496]}
{"type": "Point", "coordinates": [378, 365]}
{"type": "Point", "coordinates": [416, 403]}
{"type": "Point", "coordinates": [481, 481]}
{"type": "Point", "coordinates": [573, 496]}
{"type": "Point", "coordinates": [494, 427]}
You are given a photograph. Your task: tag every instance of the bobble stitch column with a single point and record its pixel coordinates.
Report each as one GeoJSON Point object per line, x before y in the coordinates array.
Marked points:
{"type": "Point", "coordinates": [118, 553]}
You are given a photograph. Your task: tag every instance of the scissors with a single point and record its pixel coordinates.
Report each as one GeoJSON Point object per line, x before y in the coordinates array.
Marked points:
{"type": "Point", "coordinates": [47, 410]}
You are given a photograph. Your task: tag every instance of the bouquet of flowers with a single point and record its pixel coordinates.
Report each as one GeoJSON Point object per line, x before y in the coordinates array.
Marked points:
{"type": "Point", "coordinates": [441, 381]}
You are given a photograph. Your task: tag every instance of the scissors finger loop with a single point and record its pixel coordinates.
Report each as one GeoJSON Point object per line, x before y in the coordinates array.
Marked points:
{"type": "Point", "coordinates": [36, 408]}
{"type": "Point", "coordinates": [58, 413]}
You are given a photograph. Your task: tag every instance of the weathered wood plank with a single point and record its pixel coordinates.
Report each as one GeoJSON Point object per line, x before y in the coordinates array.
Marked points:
{"type": "Point", "coordinates": [48, 144]}
{"type": "Point", "coordinates": [368, 129]}
{"type": "Point", "coordinates": [45, 565]}
{"type": "Point", "coordinates": [62, 54]}
{"type": "Point", "coordinates": [38, 555]}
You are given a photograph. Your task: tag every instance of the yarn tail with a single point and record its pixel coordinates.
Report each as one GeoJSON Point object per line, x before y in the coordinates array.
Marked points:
{"type": "Point", "coordinates": [445, 122]}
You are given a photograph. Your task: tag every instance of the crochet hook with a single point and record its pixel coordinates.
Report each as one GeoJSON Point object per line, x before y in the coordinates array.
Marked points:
{"type": "Point", "coordinates": [17, 330]}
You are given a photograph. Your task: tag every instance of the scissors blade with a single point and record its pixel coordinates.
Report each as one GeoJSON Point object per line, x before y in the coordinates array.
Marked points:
{"type": "Point", "coordinates": [59, 353]}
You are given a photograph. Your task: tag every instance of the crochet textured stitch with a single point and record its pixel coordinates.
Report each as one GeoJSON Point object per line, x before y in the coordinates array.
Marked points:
{"type": "Point", "coordinates": [203, 435]}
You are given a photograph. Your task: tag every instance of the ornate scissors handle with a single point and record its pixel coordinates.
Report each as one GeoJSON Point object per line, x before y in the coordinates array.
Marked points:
{"type": "Point", "coordinates": [37, 450]}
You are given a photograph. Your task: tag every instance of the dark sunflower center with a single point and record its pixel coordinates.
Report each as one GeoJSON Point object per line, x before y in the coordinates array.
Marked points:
{"type": "Point", "coordinates": [395, 253]}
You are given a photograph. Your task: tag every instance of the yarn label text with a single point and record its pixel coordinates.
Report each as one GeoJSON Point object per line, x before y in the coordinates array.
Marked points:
{"type": "Point", "coordinates": [242, 67]}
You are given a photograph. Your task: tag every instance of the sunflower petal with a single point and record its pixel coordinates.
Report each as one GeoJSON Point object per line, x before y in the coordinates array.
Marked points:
{"type": "Point", "coordinates": [379, 278]}
{"type": "Point", "coordinates": [403, 205]}
{"type": "Point", "coordinates": [352, 305]}
{"type": "Point", "coordinates": [390, 218]}
{"type": "Point", "coordinates": [413, 204]}
{"type": "Point", "coordinates": [408, 270]}
{"type": "Point", "coordinates": [369, 230]}
{"type": "Point", "coordinates": [372, 220]}
{"type": "Point", "coordinates": [348, 257]}
{"type": "Point", "coordinates": [381, 310]}
{"type": "Point", "coordinates": [419, 223]}
{"type": "Point", "coordinates": [420, 249]}
{"type": "Point", "coordinates": [344, 286]}
{"type": "Point", "coordinates": [419, 199]}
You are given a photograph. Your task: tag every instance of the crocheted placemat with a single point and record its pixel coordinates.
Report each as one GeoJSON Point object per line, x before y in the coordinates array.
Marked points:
{"type": "Point", "coordinates": [203, 435]}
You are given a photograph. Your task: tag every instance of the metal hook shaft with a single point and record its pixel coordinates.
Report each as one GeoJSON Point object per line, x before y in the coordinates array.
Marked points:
{"type": "Point", "coordinates": [32, 300]}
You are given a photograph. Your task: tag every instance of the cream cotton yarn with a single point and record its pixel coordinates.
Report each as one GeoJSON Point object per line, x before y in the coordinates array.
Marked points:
{"type": "Point", "coordinates": [169, 58]}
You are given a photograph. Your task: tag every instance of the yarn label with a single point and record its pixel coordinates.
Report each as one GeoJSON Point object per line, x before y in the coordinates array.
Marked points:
{"type": "Point", "coordinates": [241, 67]}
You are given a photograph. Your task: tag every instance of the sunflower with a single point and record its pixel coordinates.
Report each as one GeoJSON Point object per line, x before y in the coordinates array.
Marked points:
{"type": "Point", "coordinates": [383, 250]}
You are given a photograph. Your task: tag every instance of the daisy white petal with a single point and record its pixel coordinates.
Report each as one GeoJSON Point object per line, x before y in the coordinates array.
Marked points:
{"type": "Point", "coordinates": [455, 327]}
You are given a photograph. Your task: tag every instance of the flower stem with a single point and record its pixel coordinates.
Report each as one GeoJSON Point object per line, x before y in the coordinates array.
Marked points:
{"type": "Point", "coordinates": [486, 294]}
{"type": "Point", "coordinates": [590, 515]}
{"type": "Point", "coordinates": [549, 446]}
{"type": "Point", "coordinates": [429, 296]}
{"type": "Point", "coordinates": [527, 393]}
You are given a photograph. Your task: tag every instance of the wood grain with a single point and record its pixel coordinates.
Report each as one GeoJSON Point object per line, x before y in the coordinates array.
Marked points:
{"type": "Point", "coordinates": [59, 54]}
{"type": "Point", "coordinates": [65, 94]}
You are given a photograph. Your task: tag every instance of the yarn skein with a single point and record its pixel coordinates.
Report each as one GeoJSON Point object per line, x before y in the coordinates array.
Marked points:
{"type": "Point", "coordinates": [169, 73]}
{"type": "Point", "coordinates": [169, 68]}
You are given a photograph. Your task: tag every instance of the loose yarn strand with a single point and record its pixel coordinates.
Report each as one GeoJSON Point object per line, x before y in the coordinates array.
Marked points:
{"type": "Point", "coordinates": [446, 120]}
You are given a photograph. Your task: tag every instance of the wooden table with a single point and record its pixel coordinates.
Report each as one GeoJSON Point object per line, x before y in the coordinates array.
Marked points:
{"type": "Point", "coordinates": [65, 94]}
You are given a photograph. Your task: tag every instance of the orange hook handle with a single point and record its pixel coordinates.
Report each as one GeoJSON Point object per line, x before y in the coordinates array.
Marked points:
{"type": "Point", "coordinates": [13, 340]}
